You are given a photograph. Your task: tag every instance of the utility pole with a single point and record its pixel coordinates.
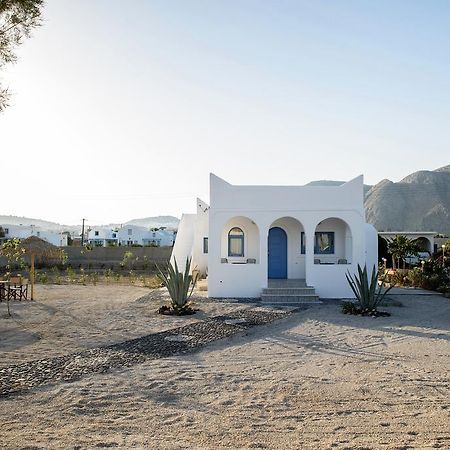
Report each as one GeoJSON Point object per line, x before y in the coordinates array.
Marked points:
{"type": "Point", "coordinates": [82, 233]}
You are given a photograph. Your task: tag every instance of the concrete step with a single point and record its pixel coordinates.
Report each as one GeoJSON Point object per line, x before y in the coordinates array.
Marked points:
{"type": "Point", "coordinates": [289, 291]}
{"type": "Point", "coordinates": [292, 282]}
{"type": "Point", "coordinates": [291, 299]}
{"type": "Point", "coordinates": [291, 304]}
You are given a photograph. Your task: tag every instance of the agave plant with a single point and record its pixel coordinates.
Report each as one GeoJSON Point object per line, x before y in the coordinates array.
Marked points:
{"type": "Point", "coordinates": [180, 285]}
{"type": "Point", "coordinates": [367, 292]}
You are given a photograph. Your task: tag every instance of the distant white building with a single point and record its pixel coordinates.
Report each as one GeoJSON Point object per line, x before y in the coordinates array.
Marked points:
{"type": "Point", "coordinates": [102, 237]}
{"type": "Point", "coordinates": [130, 235]}
{"type": "Point", "coordinates": [24, 231]}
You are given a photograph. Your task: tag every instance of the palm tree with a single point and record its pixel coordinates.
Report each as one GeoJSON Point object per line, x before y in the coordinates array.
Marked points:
{"type": "Point", "coordinates": [400, 247]}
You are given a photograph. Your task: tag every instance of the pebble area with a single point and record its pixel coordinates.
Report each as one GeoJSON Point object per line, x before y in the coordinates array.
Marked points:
{"type": "Point", "coordinates": [22, 377]}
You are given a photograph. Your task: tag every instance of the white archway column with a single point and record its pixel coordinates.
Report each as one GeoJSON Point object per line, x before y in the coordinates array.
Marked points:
{"type": "Point", "coordinates": [263, 247]}
{"type": "Point", "coordinates": [309, 252]}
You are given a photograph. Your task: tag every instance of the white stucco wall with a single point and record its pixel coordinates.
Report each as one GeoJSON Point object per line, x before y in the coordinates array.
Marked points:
{"type": "Point", "coordinates": [267, 206]}
{"type": "Point", "coordinates": [184, 243]}
{"type": "Point", "coordinates": [25, 231]}
{"type": "Point", "coordinates": [199, 258]}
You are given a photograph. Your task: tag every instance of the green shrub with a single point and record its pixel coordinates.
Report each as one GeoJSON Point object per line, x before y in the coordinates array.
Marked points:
{"type": "Point", "coordinates": [367, 292]}
{"type": "Point", "coordinates": [180, 286]}
{"type": "Point", "coordinates": [93, 278]}
{"type": "Point", "coordinates": [83, 277]}
{"type": "Point", "coordinates": [398, 278]}
{"type": "Point", "coordinates": [350, 308]}
{"type": "Point", "coordinates": [71, 275]}
{"type": "Point", "coordinates": [41, 277]}
{"type": "Point", "coordinates": [415, 277]}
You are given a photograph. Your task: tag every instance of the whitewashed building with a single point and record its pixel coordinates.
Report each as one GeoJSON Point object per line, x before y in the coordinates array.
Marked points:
{"type": "Point", "coordinates": [129, 235]}
{"type": "Point", "coordinates": [102, 237]}
{"type": "Point", "coordinates": [24, 231]}
{"type": "Point", "coordinates": [258, 241]}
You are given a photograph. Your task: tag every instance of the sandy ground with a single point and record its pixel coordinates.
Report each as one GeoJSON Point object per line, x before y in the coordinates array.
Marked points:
{"type": "Point", "coordinates": [68, 318]}
{"type": "Point", "coordinates": [315, 380]}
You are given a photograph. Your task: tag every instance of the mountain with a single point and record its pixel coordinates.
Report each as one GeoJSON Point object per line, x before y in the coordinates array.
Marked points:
{"type": "Point", "coordinates": [419, 202]}
{"type": "Point", "coordinates": [151, 222]}
{"type": "Point", "coordinates": [148, 222]}
{"type": "Point", "coordinates": [44, 224]}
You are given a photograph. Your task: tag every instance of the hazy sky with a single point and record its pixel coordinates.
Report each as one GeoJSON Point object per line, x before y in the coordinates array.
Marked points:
{"type": "Point", "coordinates": [121, 109]}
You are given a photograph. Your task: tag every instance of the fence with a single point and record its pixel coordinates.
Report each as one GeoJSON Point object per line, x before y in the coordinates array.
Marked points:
{"type": "Point", "coordinates": [110, 257]}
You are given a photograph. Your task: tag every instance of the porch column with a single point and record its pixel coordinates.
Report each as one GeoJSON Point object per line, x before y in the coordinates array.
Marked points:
{"type": "Point", "coordinates": [264, 236]}
{"type": "Point", "coordinates": [309, 253]}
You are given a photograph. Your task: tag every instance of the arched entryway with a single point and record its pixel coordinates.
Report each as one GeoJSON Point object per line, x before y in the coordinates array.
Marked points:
{"type": "Point", "coordinates": [240, 241]}
{"type": "Point", "coordinates": [423, 244]}
{"type": "Point", "coordinates": [333, 243]}
{"type": "Point", "coordinates": [277, 253]}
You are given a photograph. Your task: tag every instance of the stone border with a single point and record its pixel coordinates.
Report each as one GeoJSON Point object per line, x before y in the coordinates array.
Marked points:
{"type": "Point", "coordinates": [22, 377]}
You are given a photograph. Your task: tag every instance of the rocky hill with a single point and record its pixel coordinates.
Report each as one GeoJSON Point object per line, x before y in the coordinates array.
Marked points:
{"type": "Point", "coordinates": [419, 202]}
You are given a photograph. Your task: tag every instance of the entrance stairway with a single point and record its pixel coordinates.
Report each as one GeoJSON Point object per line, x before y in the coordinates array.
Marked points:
{"type": "Point", "coordinates": [292, 292]}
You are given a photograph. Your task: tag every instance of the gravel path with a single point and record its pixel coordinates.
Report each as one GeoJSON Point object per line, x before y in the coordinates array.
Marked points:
{"type": "Point", "coordinates": [25, 376]}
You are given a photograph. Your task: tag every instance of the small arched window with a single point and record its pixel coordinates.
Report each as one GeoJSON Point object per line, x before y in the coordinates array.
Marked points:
{"type": "Point", "coordinates": [236, 242]}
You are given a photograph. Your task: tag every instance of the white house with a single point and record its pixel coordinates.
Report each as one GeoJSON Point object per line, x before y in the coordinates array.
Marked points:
{"type": "Point", "coordinates": [159, 237]}
{"type": "Point", "coordinates": [251, 239]}
{"type": "Point", "coordinates": [25, 231]}
{"type": "Point", "coordinates": [102, 237]}
{"type": "Point", "coordinates": [129, 235]}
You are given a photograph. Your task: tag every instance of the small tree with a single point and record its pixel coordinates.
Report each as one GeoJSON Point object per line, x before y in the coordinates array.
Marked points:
{"type": "Point", "coordinates": [17, 19]}
{"type": "Point", "coordinates": [127, 260]}
{"type": "Point", "coordinates": [399, 247]}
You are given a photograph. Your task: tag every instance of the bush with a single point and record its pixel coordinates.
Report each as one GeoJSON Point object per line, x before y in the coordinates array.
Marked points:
{"type": "Point", "coordinates": [41, 277]}
{"type": "Point", "coordinates": [415, 277]}
{"type": "Point", "coordinates": [354, 309]}
{"type": "Point", "coordinates": [71, 275]}
{"type": "Point", "coordinates": [180, 286]}
{"type": "Point", "coordinates": [367, 292]}
{"type": "Point", "coordinates": [350, 308]}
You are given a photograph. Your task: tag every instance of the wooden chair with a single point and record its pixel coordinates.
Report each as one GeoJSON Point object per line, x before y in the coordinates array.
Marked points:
{"type": "Point", "coordinates": [18, 288]}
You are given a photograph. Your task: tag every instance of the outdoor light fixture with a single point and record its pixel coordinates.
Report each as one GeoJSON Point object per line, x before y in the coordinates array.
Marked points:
{"type": "Point", "coordinates": [443, 255]}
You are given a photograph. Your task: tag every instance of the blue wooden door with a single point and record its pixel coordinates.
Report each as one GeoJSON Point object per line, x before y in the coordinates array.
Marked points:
{"type": "Point", "coordinates": [277, 253]}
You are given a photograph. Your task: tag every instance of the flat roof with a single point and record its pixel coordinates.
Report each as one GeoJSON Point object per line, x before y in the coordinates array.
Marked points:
{"type": "Point", "coordinates": [408, 232]}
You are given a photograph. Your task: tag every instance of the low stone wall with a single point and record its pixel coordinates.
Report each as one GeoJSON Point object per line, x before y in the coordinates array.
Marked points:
{"type": "Point", "coordinates": [113, 256]}
{"type": "Point", "coordinates": [107, 257]}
